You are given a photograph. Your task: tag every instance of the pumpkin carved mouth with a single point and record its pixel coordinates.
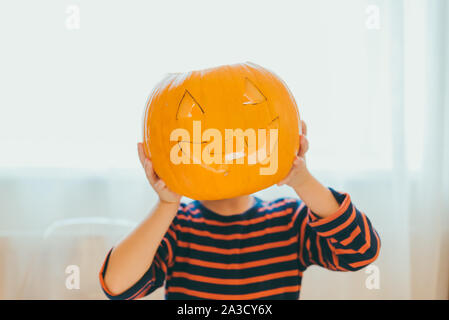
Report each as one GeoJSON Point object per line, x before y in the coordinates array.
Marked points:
{"type": "Point", "coordinates": [248, 151]}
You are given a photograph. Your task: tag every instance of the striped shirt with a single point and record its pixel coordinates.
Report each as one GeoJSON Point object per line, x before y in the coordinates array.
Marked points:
{"type": "Point", "coordinates": [259, 254]}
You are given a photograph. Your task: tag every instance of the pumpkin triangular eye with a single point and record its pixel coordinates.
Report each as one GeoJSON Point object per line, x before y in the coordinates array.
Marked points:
{"type": "Point", "coordinates": [189, 107]}
{"type": "Point", "coordinates": [252, 94]}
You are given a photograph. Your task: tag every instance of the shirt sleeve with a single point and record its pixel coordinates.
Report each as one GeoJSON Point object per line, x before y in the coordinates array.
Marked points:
{"type": "Point", "coordinates": [155, 276]}
{"type": "Point", "coordinates": [343, 241]}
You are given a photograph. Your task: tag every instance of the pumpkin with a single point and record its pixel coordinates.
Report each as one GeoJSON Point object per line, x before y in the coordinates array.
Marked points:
{"type": "Point", "coordinates": [221, 132]}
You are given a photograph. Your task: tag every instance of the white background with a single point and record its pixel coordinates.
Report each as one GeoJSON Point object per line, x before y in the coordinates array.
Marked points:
{"type": "Point", "coordinates": [75, 97]}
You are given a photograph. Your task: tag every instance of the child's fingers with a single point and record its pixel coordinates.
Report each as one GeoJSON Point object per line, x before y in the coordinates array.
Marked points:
{"type": "Point", "coordinates": [141, 153]}
{"type": "Point", "coordinates": [302, 137]}
{"type": "Point", "coordinates": [149, 171]}
{"type": "Point", "coordinates": [159, 185]}
{"type": "Point", "coordinates": [303, 147]}
{"type": "Point", "coordinates": [287, 178]}
{"type": "Point", "coordinates": [147, 165]}
{"type": "Point", "coordinates": [303, 128]}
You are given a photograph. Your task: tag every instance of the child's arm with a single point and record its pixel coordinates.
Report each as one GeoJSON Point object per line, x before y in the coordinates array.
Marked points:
{"type": "Point", "coordinates": [332, 232]}
{"type": "Point", "coordinates": [132, 257]}
{"type": "Point", "coordinates": [316, 196]}
{"type": "Point", "coordinates": [343, 241]}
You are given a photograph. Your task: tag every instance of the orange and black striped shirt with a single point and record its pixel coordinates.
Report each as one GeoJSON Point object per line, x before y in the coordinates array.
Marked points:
{"type": "Point", "coordinates": [259, 254]}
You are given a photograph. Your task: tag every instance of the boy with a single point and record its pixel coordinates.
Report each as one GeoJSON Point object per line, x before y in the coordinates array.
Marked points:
{"type": "Point", "coordinates": [240, 248]}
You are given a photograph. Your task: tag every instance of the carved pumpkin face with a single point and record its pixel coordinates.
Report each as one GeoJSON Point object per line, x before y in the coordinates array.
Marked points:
{"type": "Point", "coordinates": [221, 132]}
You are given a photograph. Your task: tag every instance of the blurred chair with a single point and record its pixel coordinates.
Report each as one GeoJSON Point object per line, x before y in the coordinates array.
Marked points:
{"type": "Point", "coordinates": [82, 242]}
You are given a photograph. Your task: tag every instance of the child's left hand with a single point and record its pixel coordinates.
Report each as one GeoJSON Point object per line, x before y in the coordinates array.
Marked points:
{"type": "Point", "coordinates": [299, 171]}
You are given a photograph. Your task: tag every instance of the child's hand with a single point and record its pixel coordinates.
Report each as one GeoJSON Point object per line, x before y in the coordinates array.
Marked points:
{"type": "Point", "coordinates": [164, 193]}
{"type": "Point", "coordinates": [298, 173]}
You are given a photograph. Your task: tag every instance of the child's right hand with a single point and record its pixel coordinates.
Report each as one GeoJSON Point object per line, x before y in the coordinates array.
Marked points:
{"type": "Point", "coordinates": [164, 193]}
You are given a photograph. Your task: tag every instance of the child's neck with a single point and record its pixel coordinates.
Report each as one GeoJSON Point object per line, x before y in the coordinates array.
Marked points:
{"type": "Point", "coordinates": [232, 206]}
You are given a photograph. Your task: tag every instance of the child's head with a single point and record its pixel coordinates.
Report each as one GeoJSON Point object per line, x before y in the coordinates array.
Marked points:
{"type": "Point", "coordinates": [221, 132]}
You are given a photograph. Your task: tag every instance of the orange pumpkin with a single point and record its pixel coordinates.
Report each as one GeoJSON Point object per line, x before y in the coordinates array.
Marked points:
{"type": "Point", "coordinates": [242, 114]}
